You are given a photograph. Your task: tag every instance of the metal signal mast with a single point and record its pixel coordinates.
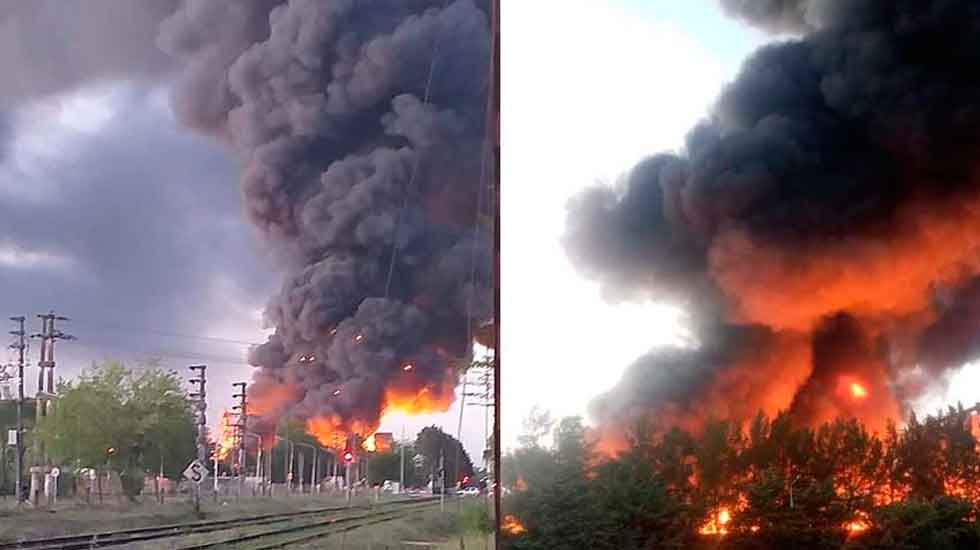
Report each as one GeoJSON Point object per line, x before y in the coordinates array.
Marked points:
{"type": "Point", "coordinates": [200, 397]}
{"type": "Point", "coordinates": [240, 428]}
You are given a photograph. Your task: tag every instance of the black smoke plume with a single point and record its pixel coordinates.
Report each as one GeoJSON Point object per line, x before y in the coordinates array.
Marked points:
{"type": "Point", "coordinates": [360, 128]}
{"type": "Point", "coordinates": [830, 202]}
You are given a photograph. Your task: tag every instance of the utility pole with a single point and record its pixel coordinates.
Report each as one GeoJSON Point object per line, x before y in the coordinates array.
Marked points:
{"type": "Point", "coordinates": [302, 472]}
{"type": "Point", "coordinates": [401, 481]}
{"type": "Point", "coordinates": [242, 408]}
{"type": "Point", "coordinates": [21, 347]}
{"type": "Point", "coordinates": [289, 463]}
{"type": "Point", "coordinates": [442, 479]}
{"type": "Point", "coordinates": [202, 425]}
{"type": "Point", "coordinates": [494, 130]}
{"type": "Point", "coordinates": [45, 393]}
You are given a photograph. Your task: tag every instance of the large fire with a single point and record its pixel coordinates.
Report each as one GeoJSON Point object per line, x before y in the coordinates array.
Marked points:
{"type": "Point", "coordinates": [227, 436]}
{"type": "Point", "coordinates": [512, 526]}
{"type": "Point", "coordinates": [267, 398]}
{"type": "Point", "coordinates": [332, 432]}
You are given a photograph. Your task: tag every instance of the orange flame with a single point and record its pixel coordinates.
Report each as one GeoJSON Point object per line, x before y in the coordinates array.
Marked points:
{"type": "Point", "coordinates": [333, 433]}
{"type": "Point", "coordinates": [858, 391]}
{"type": "Point", "coordinates": [226, 436]}
{"type": "Point", "coordinates": [425, 400]}
{"type": "Point", "coordinates": [718, 524]}
{"type": "Point", "coordinates": [857, 526]}
{"type": "Point", "coordinates": [512, 526]}
{"type": "Point", "coordinates": [266, 398]}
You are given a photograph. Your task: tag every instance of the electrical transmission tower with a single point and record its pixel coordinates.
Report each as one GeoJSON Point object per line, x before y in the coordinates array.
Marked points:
{"type": "Point", "coordinates": [49, 335]}
{"type": "Point", "coordinates": [45, 378]}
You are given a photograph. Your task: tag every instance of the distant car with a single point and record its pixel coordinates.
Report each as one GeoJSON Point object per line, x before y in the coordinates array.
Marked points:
{"type": "Point", "coordinates": [470, 492]}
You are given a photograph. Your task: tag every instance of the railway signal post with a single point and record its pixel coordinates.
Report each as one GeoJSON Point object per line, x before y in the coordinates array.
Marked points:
{"type": "Point", "coordinates": [202, 434]}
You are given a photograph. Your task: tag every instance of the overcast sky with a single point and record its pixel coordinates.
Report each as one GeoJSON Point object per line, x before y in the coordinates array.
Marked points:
{"type": "Point", "coordinates": [587, 94]}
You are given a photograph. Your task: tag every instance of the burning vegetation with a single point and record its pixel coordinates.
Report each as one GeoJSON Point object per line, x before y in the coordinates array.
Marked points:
{"type": "Point", "coordinates": [512, 526]}
{"type": "Point", "coordinates": [767, 483]}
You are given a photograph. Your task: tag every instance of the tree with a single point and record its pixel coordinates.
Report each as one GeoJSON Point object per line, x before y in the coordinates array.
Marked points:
{"type": "Point", "coordinates": [437, 447]}
{"type": "Point", "coordinates": [387, 466]}
{"type": "Point", "coordinates": [537, 425]}
{"type": "Point", "coordinates": [128, 421]}
{"type": "Point", "coordinates": [942, 523]}
{"type": "Point", "coordinates": [637, 511]}
{"type": "Point", "coordinates": [555, 505]}
{"type": "Point", "coordinates": [783, 485]}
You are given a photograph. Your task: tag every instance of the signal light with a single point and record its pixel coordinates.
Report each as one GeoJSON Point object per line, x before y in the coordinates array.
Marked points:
{"type": "Point", "coordinates": [348, 457]}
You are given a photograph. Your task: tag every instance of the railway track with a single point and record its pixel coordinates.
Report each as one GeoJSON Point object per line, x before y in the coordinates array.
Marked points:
{"type": "Point", "coordinates": [312, 531]}
{"type": "Point", "coordinates": [143, 534]}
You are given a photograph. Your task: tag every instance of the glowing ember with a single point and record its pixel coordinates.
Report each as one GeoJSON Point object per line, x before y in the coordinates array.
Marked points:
{"type": "Point", "coordinates": [858, 391]}
{"type": "Point", "coordinates": [717, 525]}
{"type": "Point", "coordinates": [512, 526]}
{"type": "Point", "coordinates": [856, 526]}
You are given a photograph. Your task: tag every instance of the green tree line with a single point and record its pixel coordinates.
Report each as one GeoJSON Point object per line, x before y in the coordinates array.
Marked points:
{"type": "Point", "coordinates": [781, 485]}
{"type": "Point", "coordinates": [138, 420]}
{"type": "Point", "coordinates": [126, 420]}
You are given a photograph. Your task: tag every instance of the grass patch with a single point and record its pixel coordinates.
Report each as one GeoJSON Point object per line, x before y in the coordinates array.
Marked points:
{"type": "Point", "coordinates": [465, 528]}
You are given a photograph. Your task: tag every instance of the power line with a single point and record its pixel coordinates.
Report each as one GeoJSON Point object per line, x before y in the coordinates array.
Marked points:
{"type": "Point", "coordinates": [415, 168]}
{"type": "Point", "coordinates": [165, 333]}
{"type": "Point", "coordinates": [169, 354]}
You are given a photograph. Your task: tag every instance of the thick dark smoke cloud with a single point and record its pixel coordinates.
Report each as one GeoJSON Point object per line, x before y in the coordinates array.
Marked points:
{"type": "Point", "coordinates": [325, 105]}
{"type": "Point", "coordinates": [836, 178]}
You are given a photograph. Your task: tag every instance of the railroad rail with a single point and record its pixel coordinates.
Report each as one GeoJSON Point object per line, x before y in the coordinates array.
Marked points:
{"type": "Point", "coordinates": [315, 530]}
{"type": "Point", "coordinates": [142, 534]}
